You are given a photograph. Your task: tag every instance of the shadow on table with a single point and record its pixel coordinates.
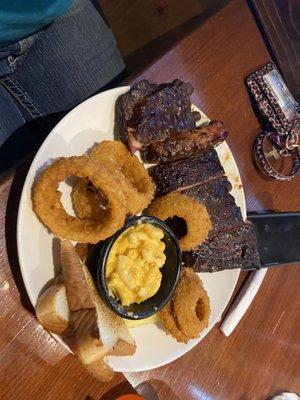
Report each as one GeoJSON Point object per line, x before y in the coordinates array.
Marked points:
{"type": "Point", "coordinates": [115, 392]}
{"type": "Point", "coordinates": [11, 231]}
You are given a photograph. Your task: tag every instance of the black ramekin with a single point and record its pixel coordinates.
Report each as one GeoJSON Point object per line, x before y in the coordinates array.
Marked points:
{"type": "Point", "coordinates": [170, 271]}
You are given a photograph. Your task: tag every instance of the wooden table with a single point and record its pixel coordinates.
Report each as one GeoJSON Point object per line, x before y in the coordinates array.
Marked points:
{"type": "Point", "coordinates": [262, 356]}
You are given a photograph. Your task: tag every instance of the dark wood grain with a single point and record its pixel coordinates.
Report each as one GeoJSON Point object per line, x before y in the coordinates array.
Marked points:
{"type": "Point", "coordinates": [280, 22]}
{"type": "Point", "coordinates": [262, 355]}
{"type": "Point", "coordinates": [136, 23]}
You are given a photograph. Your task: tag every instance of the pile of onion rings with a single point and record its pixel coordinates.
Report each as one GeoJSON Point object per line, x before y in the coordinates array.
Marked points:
{"type": "Point", "coordinates": [187, 314]}
{"type": "Point", "coordinates": [48, 207]}
{"type": "Point", "coordinates": [111, 183]}
{"type": "Point", "coordinates": [133, 179]}
{"type": "Point", "coordinates": [195, 214]}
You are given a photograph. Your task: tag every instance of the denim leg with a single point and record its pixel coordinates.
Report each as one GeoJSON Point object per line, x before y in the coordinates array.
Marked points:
{"type": "Point", "coordinates": [68, 62]}
{"type": "Point", "coordinates": [17, 138]}
{"type": "Point", "coordinates": [11, 117]}
{"type": "Point", "coordinates": [50, 72]}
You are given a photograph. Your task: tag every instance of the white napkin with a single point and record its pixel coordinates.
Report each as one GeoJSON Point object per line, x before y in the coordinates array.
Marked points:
{"type": "Point", "coordinates": [243, 301]}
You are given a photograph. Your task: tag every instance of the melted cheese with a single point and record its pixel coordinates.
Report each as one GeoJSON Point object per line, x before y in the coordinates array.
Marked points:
{"type": "Point", "coordinates": [133, 266]}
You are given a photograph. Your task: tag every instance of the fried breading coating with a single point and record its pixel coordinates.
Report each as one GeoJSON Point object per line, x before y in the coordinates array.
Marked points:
{"type": "Point", "coordinates": [48, 207]}
{"type": "Point", "coordinates": [191, 304]}
{"type": "Point", "coordinates": [187, 313]}
{"type": "Point", "coordinates": [88, 202]}
{"type": "Point", "coordinates": [140, 187]}
{"type": "Point", "coordinates": [195, 214]}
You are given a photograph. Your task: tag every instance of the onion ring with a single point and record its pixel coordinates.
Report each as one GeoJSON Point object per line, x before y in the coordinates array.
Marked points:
{"type": "Point", "coordinates": [191, 304]}
{"type": "Point", "coordinates": [48, 207]}
{"type": "Point", "coordinates": [195, 214]}
{"type": "Point", "coordinates": [187, 314]}
{"type": "Point", "coordinates": [170, 324]}
{"type": "Point", "coordinates": [87, 201]}
{"type": "Point", "coordinates": [140, 189]}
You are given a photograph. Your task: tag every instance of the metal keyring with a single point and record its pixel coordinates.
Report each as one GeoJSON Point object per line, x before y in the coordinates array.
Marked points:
{"type": "Point", "coordinates": [263, 162]}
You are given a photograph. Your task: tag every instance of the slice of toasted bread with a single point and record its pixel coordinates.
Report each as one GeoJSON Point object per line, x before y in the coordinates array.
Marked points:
{"type": "Point", "coordinates": [77, 289]}
{"type": "Point", "coordinates": [82, 294]}
{"type": "Point", "coordinates": [123, 348]}
{"type": "Point", "coordinates": [89, 348]}
{"type": "Point", "coordinates": [52, 310]}
{"type": "Point", "coordinates": [113, 331]}
{"type": "Point", "coordinates": [97, 330]}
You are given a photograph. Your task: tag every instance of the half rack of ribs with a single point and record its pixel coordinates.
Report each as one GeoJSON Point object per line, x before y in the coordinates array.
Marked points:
{"type": "Point", "coordinates": [149, 112]}
{"type": "Point", "coordinates": [231, 242]}
{"type": "Point", "coordinates": [185, 173]}
{"type": "Point", "coordinates": [158, 120]}
{"type": "Point", "coordinates": [186, 144]}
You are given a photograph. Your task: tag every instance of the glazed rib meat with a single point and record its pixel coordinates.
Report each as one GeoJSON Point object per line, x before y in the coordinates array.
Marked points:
{"type": "Point", "coordinates": [149, 112]}
{"type": "Point", "coordinates": [231, 242]}
{"type": "Point", "coordinates": [185, 144]}
{"type": "Point", "coordinates": [231, 249]}
{"type": "Point", "coordinates": [182, 174]}
{"type": "Point", "coordinates": [220, 204]}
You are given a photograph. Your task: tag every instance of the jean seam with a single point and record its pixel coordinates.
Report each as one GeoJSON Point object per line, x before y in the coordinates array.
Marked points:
{"type": "Point", "coordinates": [22, 97]}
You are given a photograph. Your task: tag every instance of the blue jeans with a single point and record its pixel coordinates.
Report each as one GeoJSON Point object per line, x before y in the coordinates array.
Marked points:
{"type": "Point", "coordinates": [50, 72]}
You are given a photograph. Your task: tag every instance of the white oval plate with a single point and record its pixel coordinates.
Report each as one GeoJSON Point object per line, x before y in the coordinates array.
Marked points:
{"type": "Point", "coordinates": [89, 123]}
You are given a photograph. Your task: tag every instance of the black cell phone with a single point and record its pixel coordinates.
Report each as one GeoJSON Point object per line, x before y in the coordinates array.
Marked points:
{"type": "Point", "coordinates": [278, 237]}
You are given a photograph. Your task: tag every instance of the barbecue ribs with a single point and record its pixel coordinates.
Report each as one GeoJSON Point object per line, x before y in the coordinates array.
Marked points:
{"type": "Point", "coordinates": [187, 144]}
{"type": "Point", "coordinates": [149, 112]}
